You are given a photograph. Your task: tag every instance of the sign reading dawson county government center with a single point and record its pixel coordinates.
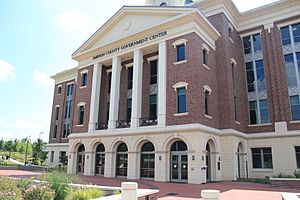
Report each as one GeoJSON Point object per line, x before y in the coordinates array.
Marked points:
{"type": "Point", "coordinates": [131, 44]}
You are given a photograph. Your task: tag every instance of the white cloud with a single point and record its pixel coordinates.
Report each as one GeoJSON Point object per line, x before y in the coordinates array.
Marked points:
{"type": "Point", "coordinates": [73, 21]}
{"type": "Point", "coordinates": [7, 71]}
{"type": "Point", "coordinates": [42, 78]}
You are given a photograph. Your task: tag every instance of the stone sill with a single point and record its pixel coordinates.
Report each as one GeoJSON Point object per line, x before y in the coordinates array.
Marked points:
{"type": "Point", "coordinates": [285, 179]}
{"type": "Point", "coordinates": [208, 116]}
{"type": "Point", "coordinates": [80, 125]}
{"type": "Point", "coordinates": [180, 62]}
{"type": "Point", "coordinates": [262, 170]}
{"type": "Point", "coordinates": [82, 87]}
{"type": "Point", "coordinates": [181, 114]}
{"type": "Point", "coordinates": [295, 122]}
{"type": "Point", "coordinates": [258, 125]}
{"type": "Point", "coordinates": [231, 40]}
{"type": "Point", "coordinates": [206, 67]}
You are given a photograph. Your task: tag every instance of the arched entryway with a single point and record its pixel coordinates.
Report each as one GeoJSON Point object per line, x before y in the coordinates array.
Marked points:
{"type": "Point", "coordinates": [100, 160]}
{"type": "Point", "coordinates": [147, 161]}
{"type": "Point", "coordinates": [210, 161]}
{"type": "Point", "coordinates": [179, 162]}
{"type": "Point", "coordinates": [80, 159]}
{"type": "Point", "coordinates": [122, 160]}
{"type": "Point", "coordinates": [241, 164]}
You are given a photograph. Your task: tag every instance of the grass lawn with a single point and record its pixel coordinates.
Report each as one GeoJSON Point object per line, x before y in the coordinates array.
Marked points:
{"type": "Point", "coordinates": [16, 156]}
{"type": "Point", "coordinates": [7, 163]}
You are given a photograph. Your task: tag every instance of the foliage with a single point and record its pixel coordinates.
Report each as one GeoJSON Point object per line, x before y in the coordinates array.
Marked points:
{"type": "Point", "coordinates": [256, 180]}
{"type": "Point", "coordinates": [39, 192]}
{"type": "Point", "coordinates": [23, 184]}
{"type": "Point", "coordinates": [8, 146]}
{"type": "Point", "coordinates": [1, 145]}
{"type": "Point", "coordinates": [58, 182]}
{"type": "Point", "coordinates": [281, 175]}
{"type": "Point", "coordinates": [84, 194]}
{"type": "Point", "coordinates": [63, 160]}
{"type": "Point", "coordinates": [38, 151]}
{"type": "Point", "coordinates": [9, 189]}
{"type": "Point", "coordinates": [297, 173]}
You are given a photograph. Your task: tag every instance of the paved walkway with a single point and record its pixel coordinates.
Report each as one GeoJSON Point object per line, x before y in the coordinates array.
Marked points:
{"type": "Point", "coordinates": [19, 173]}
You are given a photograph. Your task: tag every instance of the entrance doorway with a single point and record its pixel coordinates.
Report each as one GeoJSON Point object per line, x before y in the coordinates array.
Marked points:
{"type": "Point", "coordinates": [147, 161]}
{"type": "Point", "coordinates": [100, 160]}
{"type": "Point", "coordinates": [80, 159]}
{"type": "Point", "coordinates": [241, 165]}
{"type": "Point", "coordinates": [211, 161]}
{"type": "Point", "coordinates": [179, 162]}
{"type": "Point", "coordinates": [122, 160]}
{"type": "Point", "coordinates": [208, 163]}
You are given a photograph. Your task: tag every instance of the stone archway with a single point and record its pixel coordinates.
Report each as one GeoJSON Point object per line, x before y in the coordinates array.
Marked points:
{"type": "Point", "coordinates": [80, 162]}
{"type": "Point", "coordinates": [241, 161]}
{"type": "Point", "coordinates": [211, 161]}
{"type": "Point", "coordinates": [179, 162]}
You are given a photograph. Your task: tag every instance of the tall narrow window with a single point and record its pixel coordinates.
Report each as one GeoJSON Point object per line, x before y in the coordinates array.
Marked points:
{"type": "Point", "coordinates": [230, 31]}
{"type": "Point", "coordinates": [55, 131]}
{"type": "Point", "coordinates": [262, 158]}
{"type": "Point", "coordinates": [180, 52]}
{"type": "Point", "coordinates": [206, 102]}
{"type": "Point", "coordinates": [205, 56]}
{"type": "Point", "coordinates": [153, 72]}
{"type": "Point", "coordinates": [52, 156]}
{"type": "Point", "coordinates": [181, 100]}
{"type": "Point", "coordinates": [68, 110]}
{"type": "Point", "coordinates": [56, 113]}
{"type": "Point", "coordinates": [290, 37]}
{"type": "Point", "coordinates": [107, 112]}
{"type": "Point", "coordinates": [297, 150]}
{"type": "Point", "coordinates": [233, 71]}
{"type": "Point", "coordinates": [59, 89]}
{"type": "Point", "coordinates": [81, 115]}
{"type": "Point", "coordinates": [130, 78]}
{"type": "Point", "coordinates": [256, 80]}
{"type": "Point", "coordinates": [153, 105]}
{"type": "Point", "coordinates": [84, 78]}
{"type": "Point", "coordinates": [129, 107]}
{"type": "Point", "coordinates": [109, 82]}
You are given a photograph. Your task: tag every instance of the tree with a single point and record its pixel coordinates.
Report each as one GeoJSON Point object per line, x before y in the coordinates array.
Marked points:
{"type": "Point", "coordinates": [8, 146]}
{"type": "Point", "coordinates": [1, 144]}
{"type": "Point", "coordinates": [14, 145]}
{"type": "Point", "coordinates": [38, 151]}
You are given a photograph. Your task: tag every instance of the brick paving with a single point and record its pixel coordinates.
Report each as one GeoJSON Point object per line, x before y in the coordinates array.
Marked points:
{"type": "Point", "coordinates": [229, 190]}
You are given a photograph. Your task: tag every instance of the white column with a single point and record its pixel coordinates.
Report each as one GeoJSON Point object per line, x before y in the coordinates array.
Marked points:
{"type": "Point", "coordinates": [133, 165]}
{"type": "Point", "coordinates": [162, 83]}
{"type": "Point", "coordinates": [72, 163]}
{"type": "Point", "coordinates": [94, 107]}
{"type": "Point", "coordinates": [137, 88]}
{"type": "Point", "coordinates": [115, 93]}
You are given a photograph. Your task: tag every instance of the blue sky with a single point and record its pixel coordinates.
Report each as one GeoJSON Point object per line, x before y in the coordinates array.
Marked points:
{"type": "Point", "coordinates": [37, 38]}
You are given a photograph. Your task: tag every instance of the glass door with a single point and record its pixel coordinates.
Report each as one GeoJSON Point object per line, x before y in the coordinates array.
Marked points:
{"type": "Point", "coordinates": [100, 163]}
{"type": "Point", "coordinates": [179, 168]}
{"type": "Point", "coordinates": [184, 167]}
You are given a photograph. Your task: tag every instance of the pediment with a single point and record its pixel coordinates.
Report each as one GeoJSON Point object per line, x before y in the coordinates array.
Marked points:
{"type": "Point", "coordinates": [126, 22]}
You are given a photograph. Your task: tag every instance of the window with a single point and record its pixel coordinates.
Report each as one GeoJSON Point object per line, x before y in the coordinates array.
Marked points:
{"type": "Point", "coordinates": [296, 32]}
{"type": "Point", "coordinates": [262, 158]}
{"type": "Point", "coordinates": [181, 100]}
{"type": "Point", "coordinates": [264, 111]}
{"type": "Point", "coordinates": [122, 160]}
{"type": "Point", "coordinates": [147, 161]}
{"type": "Point", "coordinates": [250, 77]}
{"type": "Point", "coordinates": [59, 90]}
{"type": "Point", "coordinates": [295, 107]}
{"type": "Point", "coordinates": [206, 102]}
{"type": "Point", "coordinates": [56, 113]}
{"type": "Point", "coordinates": [107, 111]}
{"type": "Point", "coordinates": [257, 42]}
{"type": "Point", "coordinates": [259, 115]}
{"type": "Point", "coordinates": [230, 31]}
{"type": "Point", "coordinates": [81, 115]}
{"type": "Point", "coordinates": [66, 130]}
{"type": "Point", "coordinates": [129, 107]}
{"type": "Point", "coordinates": [233, 71]}
{"type": "Point", "coordinates": [84, 79]}
{"type": "Point", "coordinates": [68, 110]}
{"type": "Point", "coordinates": [297, 150]}
{"type": "Point", "coordinates": [285, 36]}
{"type": "Point", "coordinates": [153, 105]}
{"type": "Point", "coordinates": [235, 109]}
{"type": "Point", "coordinates": [253, 112]}
{"type": "Point", "coordinates": [52, 156]}
{"type": "Point", "coordinates": [55, 131]}
{"type": "Point", "coordinates": [163, 4]}
{"type": "Point", "coordinates": [247, 44]}
{"type": "Point", "coordinates": [109, 82]}
{"type": "Point", "coordinates": [130, 78]}
{"type": "Point", "coordinates": [153, 72]}
{"type": "Point", "coordinates": [180, 52]}
{"type": "Point", "coordinates": [205, 56]}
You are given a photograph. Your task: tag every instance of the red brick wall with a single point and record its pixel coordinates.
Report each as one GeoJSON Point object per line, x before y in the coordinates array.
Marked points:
{"type": "Point", "coordinates": [83, 94]}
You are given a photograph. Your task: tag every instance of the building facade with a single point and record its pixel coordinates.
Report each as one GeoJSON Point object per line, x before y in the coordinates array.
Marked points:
{"type": "Point", "coordinates": [183, 92]}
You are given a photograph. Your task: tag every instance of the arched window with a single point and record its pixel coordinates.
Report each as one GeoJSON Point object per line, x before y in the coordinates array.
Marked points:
{"type": "Point", "coordinates": [122, 160]}
{"type": "Point", "coordinates": [80, 159]}
{"type": "Point", "coordinates": [179, 146]}
{"type": "Point", "coordinates": [100, 160]}
{"type": "Point", "coordinates": [207, 92]}
{"type": "Point", "coordinates": [147, 161]}
{"type": "Point", "coordinates": [163, 4]}
{"type": "Point", "coordinates": [179, 162]}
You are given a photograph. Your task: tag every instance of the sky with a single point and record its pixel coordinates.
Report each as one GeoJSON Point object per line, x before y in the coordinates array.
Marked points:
{"type": "Point", "coordinates": [37, 38]}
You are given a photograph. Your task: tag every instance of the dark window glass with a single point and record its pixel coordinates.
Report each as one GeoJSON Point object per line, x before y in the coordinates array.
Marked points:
{"type": "Point", "coordinates": [84, 79]}
{"type": "Point", "coordinates": [264, 111]}
{"type": "Point", "coordinates": [262, 158]}
{"type": "Point", "coordinates": [107, 111]}
{"type": "Point", "coordinates": [100, 148]}
{"type": "Point", "coordinates": [260, 72]}
{"type": "Point", "coordinates": [56, 113]}
{"type": "Point", "coordinates": [295, 107]}
{"type": "Point", "coordinates": [253, 112]}
{"type": "Point", "coordinates": [296, 32]}
{"type": "Point", "coordinates": [59, 90]}
{"type": "Point", "coordinates": [81, 115]}
{"type": "Point", "coordinates": [285, 36]}
{"type": "Point", "coordinates": [153, 106]}
{"type": "Point", "coordinates": [129, 106]}
{"type": "Point", "coordinates": [205, 56]}
{"type": "Point", "coordinates": [109, 82]}
{"type": "Point", "coordinates": [206, 102]}
{"type": "Point", "coordinates": [180, 52]}
{"type": "Point", "coordinates": [298, 61]}
{"type": "Point", "coordinates": [147, 161]}
{"type": "Point", "coordinates": [147, 147]}
{"type": "Point", "coordinates": [250, 77]}
{"type": "Point", "coordinates": [233, 71]}
{"type": "Point", "coordinates": [290, 70]}
{"type": "Point", "coordinates": [257, 42]}
{"type": "Point", "coordinates": [153, 72]}
{"type": "Point", "coordinates": [230, 31]}
{"type": "Point", "coordinates": [179, 146]}
{"type": "Point", "coordinates": [66, 130]}
{"type": "Point", "coordinates": [130, 78]}
{"type": "Point", "coordinates": [70, 90]}
{"type": "Point", "coordinates": [122, 148]}
{"type": "Point", "coordinates": [297, 150]}
{"type": "Point", "coordinates": [55, 131]}
{"type": "Point", "coordinates": [122, 160]}
{"type": "Point", "coordinates": [235, 109]}
{"type": "Point", "coordinates": [181, 100]}
{"type": "Point", "coordinates": [52, 156]}
{"type": "Point", "coordinates": [247, 44]}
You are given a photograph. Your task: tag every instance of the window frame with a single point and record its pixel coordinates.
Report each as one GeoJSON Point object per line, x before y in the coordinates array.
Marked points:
{"type": "Point", "coordinates": [81, 111]}
{"type": "Point", "coordinates": [177, 44]}
{"type": "Point", "coordinates": [84, 80]}
{"type": "Point", "coordinates": [297, 153]}
{"type": "Point", "coordinates": [180, 110]}
{"type": "Point", "coordinates": [262, 155]}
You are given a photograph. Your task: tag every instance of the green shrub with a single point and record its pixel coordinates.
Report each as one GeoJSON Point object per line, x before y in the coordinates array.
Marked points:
{"type": "Point", "coordinates": [297, 174]}
{"type": "Point", "coordinates": [23, 184]}
{"type": "Point", "coordinates": [84, 194]}
{"type": "Point", "coordinates": [9, 189]}
{"type": "Point", "coordinates": [58, 181]}
{"type": "Point", "coordinates": [39, 192]}
{"type": "Point", "coordinates": [256, 180]}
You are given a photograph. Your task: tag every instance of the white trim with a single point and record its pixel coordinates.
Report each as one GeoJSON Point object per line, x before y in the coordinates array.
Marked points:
{"type": "Point", "coordinates": [57, 106]}
{"type": "Point", "coordinates": [82, 87]}
{"type": "Point", "coordinates": [85, 71]}
{"type": "Point", "coordinates": [179, 42]}
{"type": "Point", "coordinates": [152, 58]}
{"type": "Point", "coordinates": [288, 23]}
{"type": "Point", "coordinates": [128, 65]}
{"type": "Point", "coordinates": [233, 61]}
{"type": "Point", "coordinates": [207, 67]}
{"type": "Point", "coordinates": [109, 71]}
{"type": "Point", "coordinates": [81, 104]}
{"type": "Point", "coordinates": [180, 85]}
{"type": "Point", "coordinates": [208, 116]}
{"type": "Point", "coordinates": [250, 33]}
{"type": "Point", "coordinates": [204, 46]}
{"type": "Point", "coordinates": [258, 125]}
{"type": "Point", "coordinates": [80, 125]}
{"type": "Point", "coordinates": [181, 114]}
{"type": "Point", "coordinates": [237, 122]}
{"type": "Point", "coordinates": [295, 122]}
{"type": "Point", "coordinates": [207, 88]}
{"type": "Point", "coordinates": [231, 40]}
{"type": "Point", "coordinates": [70, 83]}
{"type": "Point", "coordinates": [180, 62]}
{"type": "Point", "coordinates": [262, 169]}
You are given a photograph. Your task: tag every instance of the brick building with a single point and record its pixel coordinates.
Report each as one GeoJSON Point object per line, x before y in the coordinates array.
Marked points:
{"type": "Point", "coordinates": [183, 92]}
